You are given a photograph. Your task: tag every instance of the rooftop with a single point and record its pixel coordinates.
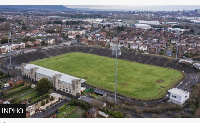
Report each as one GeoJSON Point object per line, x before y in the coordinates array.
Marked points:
{"type": "Point", "coordinates": [177, 91]}
{"type": "Point", "coordinates": [50, 73]}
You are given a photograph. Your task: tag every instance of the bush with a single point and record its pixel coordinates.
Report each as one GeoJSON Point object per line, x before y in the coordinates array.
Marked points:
{"type": "Point", "coordinates": [42, 103]}
{"type": "Point", "coordinates": [47, 101]}
{"type": "Point", "coordinates": [116, 114]}
{"type": "Point", "coordinates": [52, 98]}
{"type": "Point", "coordinates": [169, 113]}
{"type": "Point", "coordinates": [62, 108]}
{"type": "Point", "coordinates": [178, 115]}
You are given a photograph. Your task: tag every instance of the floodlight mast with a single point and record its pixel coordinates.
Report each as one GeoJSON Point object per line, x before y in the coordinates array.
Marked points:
{"type": "Point", "coordinates": [116, 51]}
{"type": "Point", "coordinates": [9, 35]}
{"type": "Point", "coordinates": [177, 45]}
{"type": "Point", "coordinates": [116, 75]}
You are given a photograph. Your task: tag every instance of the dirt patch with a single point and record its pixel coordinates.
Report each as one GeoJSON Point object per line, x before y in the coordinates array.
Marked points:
{"type": "Point", "coordinates": [160, 81]}
{"type": "Point", "coordinates": [124, 84]}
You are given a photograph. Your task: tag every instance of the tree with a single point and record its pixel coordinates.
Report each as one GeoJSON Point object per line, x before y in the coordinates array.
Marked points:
{"type": "Point", "coordinates": [43, 86]}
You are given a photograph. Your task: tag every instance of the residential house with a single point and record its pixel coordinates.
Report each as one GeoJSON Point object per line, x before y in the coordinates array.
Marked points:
{"type": "Point", "coordinates": [16, 81]}
{"type": "Point", "coordinates": [143, 48]}
{"type": "Point", "coordinates": [92, 112]}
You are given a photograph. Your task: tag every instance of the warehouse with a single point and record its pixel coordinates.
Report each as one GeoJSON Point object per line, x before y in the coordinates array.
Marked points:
{"type": "Point", "coordinates": [142, 26]}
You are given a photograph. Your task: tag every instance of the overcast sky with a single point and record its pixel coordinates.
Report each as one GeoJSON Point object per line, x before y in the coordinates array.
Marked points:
{"type": "Point", "coordinates": [130, 4]}
{"type": "Point", "coordinates": [100, 2]}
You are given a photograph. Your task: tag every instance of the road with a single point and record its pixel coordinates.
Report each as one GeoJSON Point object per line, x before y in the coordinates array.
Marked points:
{"type": "Point", "coordinates": [49, 111]}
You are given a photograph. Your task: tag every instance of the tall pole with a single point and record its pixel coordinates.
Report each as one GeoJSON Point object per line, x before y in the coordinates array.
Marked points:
{"type": "Point", "coordinates": [177, 47]}
{"type": "Point", "coordinates": [116, 77]}
{"type": "Point", "coordinates": [9, 49]}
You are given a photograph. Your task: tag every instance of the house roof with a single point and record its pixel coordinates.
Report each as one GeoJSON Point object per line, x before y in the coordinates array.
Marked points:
{"type": "Point", "coordinates": [92, 110]}
{"type": "Point", "coordinates": [16, 79]}
{"type": "Point", "coordinates": [55, 95]}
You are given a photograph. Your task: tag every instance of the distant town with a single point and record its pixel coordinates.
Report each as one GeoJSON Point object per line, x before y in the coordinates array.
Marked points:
{"type": "Point", "coordinates": [51, 60]}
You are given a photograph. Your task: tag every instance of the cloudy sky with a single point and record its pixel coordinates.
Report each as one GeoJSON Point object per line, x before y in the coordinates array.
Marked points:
{"type": "Point", "coordinates": [125, 4]}
{"type": "Point", "coordinates": [100, 2]}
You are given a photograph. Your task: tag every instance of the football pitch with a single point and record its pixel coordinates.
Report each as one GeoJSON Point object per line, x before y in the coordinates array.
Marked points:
{"type": "Point", "coordinates": [134, 80]}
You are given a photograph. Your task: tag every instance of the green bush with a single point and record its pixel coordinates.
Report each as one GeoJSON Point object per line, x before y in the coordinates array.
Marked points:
{"type": "Point", "coordinates": [62, 108]}
{"type": "Point", "coordinates": [42, 103]}
{"type": "Point", "coordinates": [116, 114]}
{"type": "Point", "coordinates": [37, 98]}
{"type": "Point", "coordinates": [47, 101]}
{"type": "Point", "coordinates": [52, 98]}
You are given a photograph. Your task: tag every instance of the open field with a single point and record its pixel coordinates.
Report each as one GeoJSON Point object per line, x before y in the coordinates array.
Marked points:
{"type": "Point", "coordinates": [134, 80]}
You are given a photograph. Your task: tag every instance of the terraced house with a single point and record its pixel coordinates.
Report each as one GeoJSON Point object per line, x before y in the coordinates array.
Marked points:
{"type": "Point", "coordinates": [60, 81]}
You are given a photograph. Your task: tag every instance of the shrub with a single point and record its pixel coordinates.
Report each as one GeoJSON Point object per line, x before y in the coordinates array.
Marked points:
{"type": "Point", "coordinates": [116, 114]}
{"type": "Point", "coordinates": [178, 115]}
{"type": "Point", "coordinates": [169, 113]}
{"type": "Point", "coordinates": [47, 101]}
{"type": "Point", "coordinates": [52, 98]}
{"type": "Point", "coordinates": [155, 116]}
{"type": "Point", "coordinates": [61, 108]}
{"type": "Point", "coordinates": [42, 103]}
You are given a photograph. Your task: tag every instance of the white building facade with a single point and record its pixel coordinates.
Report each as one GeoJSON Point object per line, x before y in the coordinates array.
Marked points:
{"type": "Point", "coordinates": [59, 81]}
{"type": "Point", "coordinates": [178, 96]}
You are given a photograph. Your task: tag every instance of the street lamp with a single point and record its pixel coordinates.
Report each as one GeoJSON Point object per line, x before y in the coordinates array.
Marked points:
{"type": "Point", "coordinates": [116, 51]}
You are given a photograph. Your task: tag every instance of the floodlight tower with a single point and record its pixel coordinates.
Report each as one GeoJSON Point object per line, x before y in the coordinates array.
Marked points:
{"type": "Point", "coordinates": [116, 51]}
{"type": "Point", "coordinates": [178, 33]}
{"type": "Point", "coordinates": [9, 50]}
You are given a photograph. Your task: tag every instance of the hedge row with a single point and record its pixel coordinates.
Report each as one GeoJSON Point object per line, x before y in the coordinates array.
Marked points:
{"type": "Point", "coordinates": [116, 114]}
{"type": "Point", "coordinates": [9, 94]}
{"type": "Point", "coordinates": [159, 109]}
{"type": "Point", "coordinates": [38, 98]}
{"type": "Point", "coordinates": [80, 103]}
{"type": "Point", "coordinates": [76, 103]}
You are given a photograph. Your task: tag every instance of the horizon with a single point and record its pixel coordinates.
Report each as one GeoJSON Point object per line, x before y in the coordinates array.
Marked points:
{"type": "Point", "coordinates": [135, 8]}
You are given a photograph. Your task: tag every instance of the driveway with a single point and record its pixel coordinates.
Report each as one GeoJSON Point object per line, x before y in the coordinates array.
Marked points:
{"type": "Point", "coordinates": [49, 111]}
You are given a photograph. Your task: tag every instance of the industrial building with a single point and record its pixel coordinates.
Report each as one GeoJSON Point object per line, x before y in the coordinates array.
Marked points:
{"type": "Point", "coordinates": [142, 26]}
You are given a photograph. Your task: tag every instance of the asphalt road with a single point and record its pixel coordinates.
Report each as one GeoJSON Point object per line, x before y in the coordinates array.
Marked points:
{"type": "Point", "coordinates": [49, 111]}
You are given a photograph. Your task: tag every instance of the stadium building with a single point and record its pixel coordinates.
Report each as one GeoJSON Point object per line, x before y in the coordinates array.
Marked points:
{"type": "Point", "coordinates": [59, 81]}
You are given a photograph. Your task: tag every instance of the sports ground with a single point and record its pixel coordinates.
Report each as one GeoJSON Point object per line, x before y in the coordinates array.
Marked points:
{"type": "Point", "coordinates": [134, 80]}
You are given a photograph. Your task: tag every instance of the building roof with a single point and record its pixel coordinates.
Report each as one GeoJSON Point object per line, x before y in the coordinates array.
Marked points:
{"type": "Point", "coordinates": [55, 95]}
{"type": "Point", "coordinates": [92, 110]}
{"type": "Point", "coordinates": [16, 79]}
{"type": "Point", "coordinates": [178, 91]}
{"type": "Point", "coordinates": [50, 73]}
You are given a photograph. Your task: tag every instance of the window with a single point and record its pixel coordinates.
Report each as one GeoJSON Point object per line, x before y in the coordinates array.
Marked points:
{"type": "Point", "coordinates": [63, 89]}
{"type": "Point", "coordinates": [185, 96]}
{"type": "Point", "coordinates": [173, 96]}
{"type": "Point", "coordinates": [66, 90]}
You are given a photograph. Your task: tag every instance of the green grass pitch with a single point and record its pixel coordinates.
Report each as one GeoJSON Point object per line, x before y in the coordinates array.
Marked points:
{"type": "Point", "coordinates": [134, 80]}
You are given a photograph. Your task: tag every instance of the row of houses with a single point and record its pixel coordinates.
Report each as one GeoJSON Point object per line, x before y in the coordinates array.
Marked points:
{"type": "Point", "coordinates": [5, 47]}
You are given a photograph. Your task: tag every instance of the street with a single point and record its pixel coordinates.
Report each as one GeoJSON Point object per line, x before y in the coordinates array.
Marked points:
{"type": "Point", "coordinates": [49, 111]}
